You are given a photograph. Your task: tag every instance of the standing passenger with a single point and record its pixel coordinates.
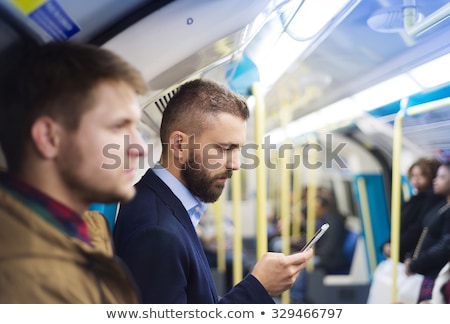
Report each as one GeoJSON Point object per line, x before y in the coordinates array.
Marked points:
{"type": "Point", "coordinates": [202, 131]}
{"type": "Point", "coordinates": [63, 105]}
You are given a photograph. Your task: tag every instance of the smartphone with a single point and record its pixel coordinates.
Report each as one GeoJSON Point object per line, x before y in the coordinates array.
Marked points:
{"type": "Point", "coordinates": [316, 237]}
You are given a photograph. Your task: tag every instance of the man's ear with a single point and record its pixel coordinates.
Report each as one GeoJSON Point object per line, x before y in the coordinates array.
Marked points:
{"type": "Point", "coordinates": [178, 145]}
{"type": "Point", "coordinates": [46, 136]}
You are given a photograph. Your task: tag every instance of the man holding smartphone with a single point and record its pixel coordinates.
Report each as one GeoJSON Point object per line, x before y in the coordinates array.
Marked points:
{"type": "Point", "coordinates": [203, 129]}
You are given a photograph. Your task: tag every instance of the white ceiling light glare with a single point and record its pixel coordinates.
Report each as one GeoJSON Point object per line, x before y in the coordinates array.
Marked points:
{"type": "Point", "coordinates": [342, 110]}
{"type": "Point", "coordinates": [386, 92]}
{"type": "Point", "coordinates": [311, 22]}
{"type": "Point", "coordinates": [280, 58]}
{"type": "Point", "coordinates": [430, 75]}
{"type": "Point", "coordinates": [313, 16]}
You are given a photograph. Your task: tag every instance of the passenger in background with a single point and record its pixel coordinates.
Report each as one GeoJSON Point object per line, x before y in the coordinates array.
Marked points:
{"type": "Point", "coordinates": [275, 241]}
{"type": "Point", "coordinates": [420, 175]}
{"type": "Point", "coordinates": [274, 226]}
{"type": "Point", "coordinates": [207, 232]}
{"type": "Point", "coordinates": [432, 251]}
{"type": "Point", "coordinates": [329, 255]}
{"type": "Point", "coordinates": [203, 128]}
{"type": "Point", "coordinates": [62, 105]}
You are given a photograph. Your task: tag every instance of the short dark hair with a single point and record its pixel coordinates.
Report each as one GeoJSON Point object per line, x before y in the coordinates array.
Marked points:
{"type": "Point", "coordinates": [56, 79]}
{"type": "Point", "coordinates": [195, 102]}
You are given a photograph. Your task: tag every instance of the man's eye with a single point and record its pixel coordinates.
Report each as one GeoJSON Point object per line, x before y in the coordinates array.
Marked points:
{"type": "Point", "coordinates": [118, 126]}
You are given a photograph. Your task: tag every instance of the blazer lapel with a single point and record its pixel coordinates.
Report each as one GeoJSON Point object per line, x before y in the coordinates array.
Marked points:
{"type": "Point", "coordinates": [173, 203]}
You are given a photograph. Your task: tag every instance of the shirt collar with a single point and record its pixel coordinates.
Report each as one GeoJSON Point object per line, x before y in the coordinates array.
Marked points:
{"type": "Point", "coordinates": [194, 206]}
{"type": "Point", "coordinates": [49, 209]}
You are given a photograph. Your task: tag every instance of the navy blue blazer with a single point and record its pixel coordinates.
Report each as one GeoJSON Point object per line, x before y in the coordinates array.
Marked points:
{"type": "Point", "coordinates": [155, 237]}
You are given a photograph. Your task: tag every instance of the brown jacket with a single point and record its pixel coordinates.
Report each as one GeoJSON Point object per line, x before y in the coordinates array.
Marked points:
{"type": "Point", "coordinates": [40, 264]}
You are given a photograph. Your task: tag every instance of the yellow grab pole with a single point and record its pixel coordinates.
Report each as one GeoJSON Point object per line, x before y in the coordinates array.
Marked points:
{"type": "Point", "coordinates": [285, 214]}
{"type": "Point", "coordinates": [311, 194]}
{"type": "Point", "coordinates": [284, 205]}
{"type": "Point", "coordinates": [296, 200]}
{"type": "Point", "coordinates": [261, 181]}
{"type": "Point", "coordinates": [237, 236]}
{"type": "Point", "coordinates": [396, 196]}
{"type": "Point", "coordinates": [367, 225]}
{"type": "Point", "coordinates": [220, 237]}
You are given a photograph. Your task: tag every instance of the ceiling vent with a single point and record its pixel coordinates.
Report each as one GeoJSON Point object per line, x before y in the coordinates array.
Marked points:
{"type": "Point", "coordinates": [153, 109]}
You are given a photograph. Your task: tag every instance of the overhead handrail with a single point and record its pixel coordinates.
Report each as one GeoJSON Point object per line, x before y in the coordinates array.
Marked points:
{"type": "Point", "coordinates": [409, 15]}
{"type": "Point", "coordinates": [404, 111]}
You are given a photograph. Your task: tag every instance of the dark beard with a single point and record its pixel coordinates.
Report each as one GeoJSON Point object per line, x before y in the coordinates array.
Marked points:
{"type": "Point", "coordinates": [200, 183]}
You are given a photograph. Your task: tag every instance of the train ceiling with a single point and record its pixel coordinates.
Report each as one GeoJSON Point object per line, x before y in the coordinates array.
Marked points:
{"type": "Point", "coordinates": [367, 46]}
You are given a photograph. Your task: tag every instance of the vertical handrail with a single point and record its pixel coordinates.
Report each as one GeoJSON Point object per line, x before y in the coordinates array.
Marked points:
{"type": "Point", "coordinates": [297, 200]}
{"type": "Point", "coordinates": [311, 196]}
{"type": "Point", "coordinates": [367, 225]}
{"type": "Point", "coordinates": [236, 193]}
{"type": "Point", "coordinates": [261, 181]}
{"type": "Point", "coordinates": [285, 214]}
{"type": "Point", "coordinates": [396, 196]}
{"type": "Point", "coordinates": [220, 235]}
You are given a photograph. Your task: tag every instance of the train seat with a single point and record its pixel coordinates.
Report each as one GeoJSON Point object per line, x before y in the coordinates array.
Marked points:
{"type": "Point", "coordinates": [350, 243]}
{"type": "Point", "coordinates": [349, 250]}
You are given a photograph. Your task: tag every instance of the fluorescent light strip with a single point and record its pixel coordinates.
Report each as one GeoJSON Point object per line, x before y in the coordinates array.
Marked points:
{"type": "Point", "coordinates": [314, 15]}
{"type": "Point", "coordinates": [313, 19]}
{"type": "Point", "coordinates": [432, 74]}
{"type": "Point", "coordinates": [386, 92]}
{"type": "Point", "coordinates": [428, 75]}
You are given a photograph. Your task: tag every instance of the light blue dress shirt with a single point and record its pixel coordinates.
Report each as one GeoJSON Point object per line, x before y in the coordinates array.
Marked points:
{"type": "Point", "coordinates": [194, 206]}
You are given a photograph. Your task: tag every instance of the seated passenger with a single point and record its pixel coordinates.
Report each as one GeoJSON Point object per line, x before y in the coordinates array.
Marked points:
{"type": "Point", "coordinates": [420, 175]}
{"type": "Point", "coordinates": [432, 251]}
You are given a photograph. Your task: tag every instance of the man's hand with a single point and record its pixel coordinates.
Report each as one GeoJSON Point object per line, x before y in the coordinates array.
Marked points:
{"type": "Point", "coordinates": [277, 272]}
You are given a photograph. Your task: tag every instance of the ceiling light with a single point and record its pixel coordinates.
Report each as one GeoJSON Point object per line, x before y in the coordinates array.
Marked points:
{"type": "Point", "coordinates": [386, 92]}
{"type": "Point", "coordinates": [429, 75]}
{"type": "Point", "coordinates": [312, 16]}
{"type": "Point", "coordinates": [300, 31]}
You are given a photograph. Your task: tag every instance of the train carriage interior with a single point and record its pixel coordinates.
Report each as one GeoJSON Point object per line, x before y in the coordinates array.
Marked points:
{"type": "Point", "coordinates": [335, 81]}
